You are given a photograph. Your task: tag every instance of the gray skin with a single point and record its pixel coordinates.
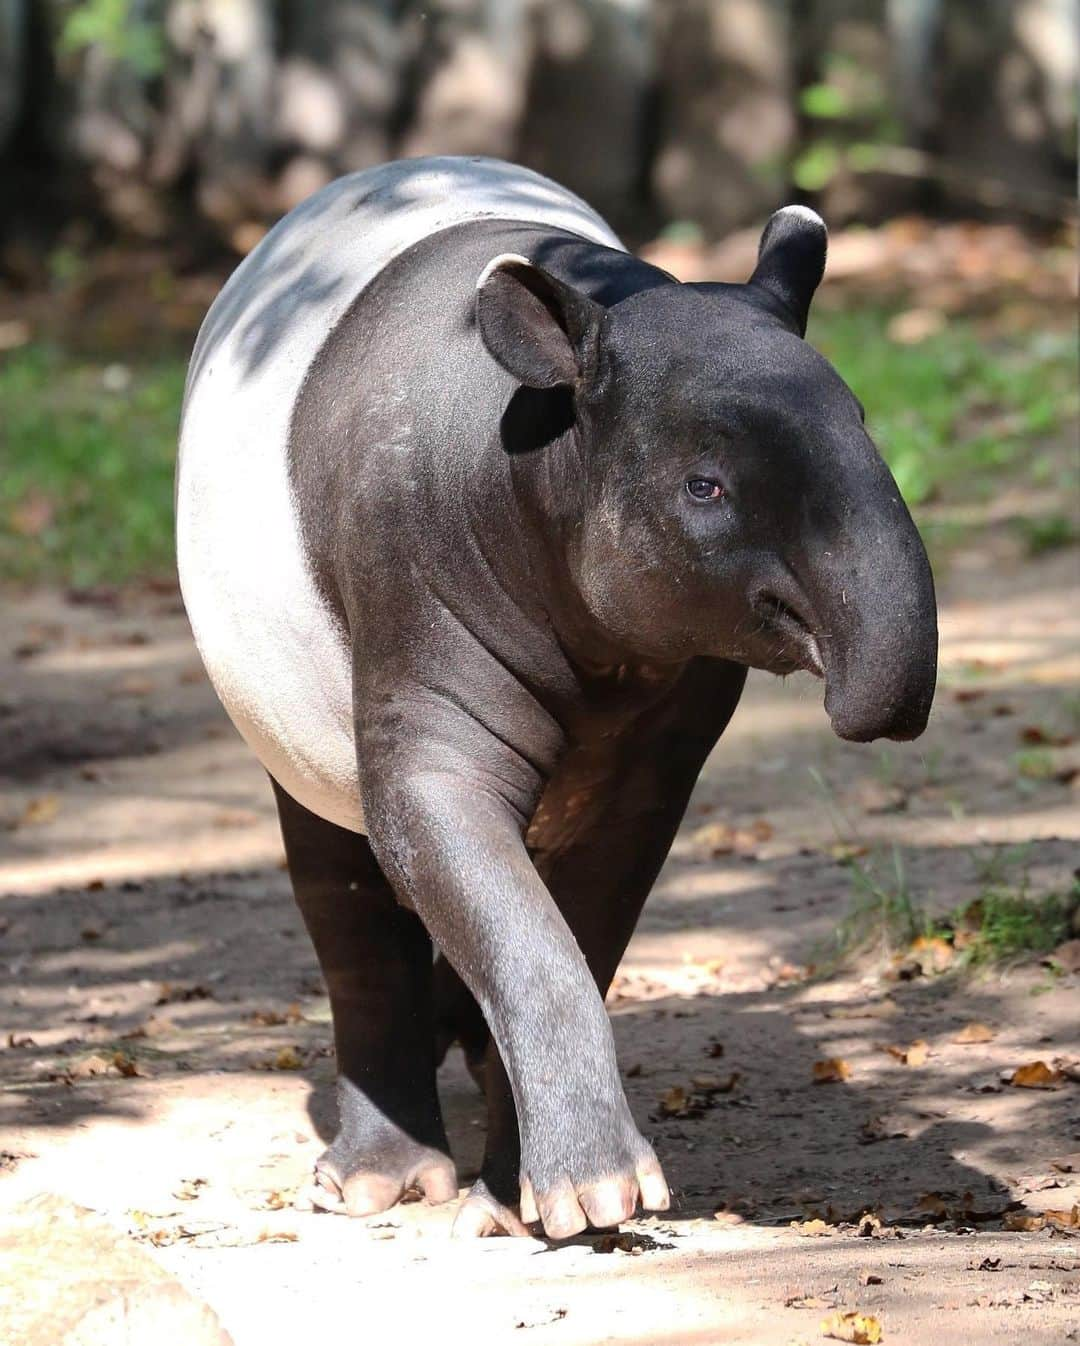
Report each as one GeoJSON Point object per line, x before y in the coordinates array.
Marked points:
{"type": "Point", "coordinates": [565, 514]}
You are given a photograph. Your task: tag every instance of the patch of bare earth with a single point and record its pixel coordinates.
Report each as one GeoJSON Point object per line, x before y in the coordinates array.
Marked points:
{"type": "Point", "coordinates": [166, 1046]}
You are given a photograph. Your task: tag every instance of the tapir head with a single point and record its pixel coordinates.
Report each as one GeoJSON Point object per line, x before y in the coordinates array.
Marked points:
{"type": "Point", "coordinates": [726, 497]}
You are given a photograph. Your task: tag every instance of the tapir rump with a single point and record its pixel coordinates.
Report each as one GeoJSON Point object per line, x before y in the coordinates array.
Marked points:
{"type": "Point", "coordinates": [481, 522]}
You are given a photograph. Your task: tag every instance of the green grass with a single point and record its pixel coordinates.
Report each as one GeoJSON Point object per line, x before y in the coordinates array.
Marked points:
{"type": "Point", "coordinates": [86, 488]}
{"type": "Point", "coordinates": [1005, 923]}
{"type": "Point", "coordinates": [955, 406]}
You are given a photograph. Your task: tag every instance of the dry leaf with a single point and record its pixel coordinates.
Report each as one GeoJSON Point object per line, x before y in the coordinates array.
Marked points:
{"type": "Point", "coordinates": [1064, 1219]}
{"type": "Point", "coordinates": [915, 1054]}
{"type": "Point", "coordinates": [1036, 1075]}
{"type": "Point", "coordinates": [881, 1128]}
{"type": "Point", "coordinates": [713, 1084]}
{"type": "Point", "coordinates": [1022, 1222]}
{"type": "Point", "coordinates": [812, 1228]}
{"type": "Point", "coordinates": [118, 1063]}
{"type": "Point", "coordinates": [831, 1071]}
{"type": "Point", "coordinates": [288, 1058]}
{"type": "Point", "coordinates": [861, 1328]}
{"type": "Point", "coordinates": [674, 1100]}
{"type": "Point", "coordinates": [934, 951]}
{"type": "Point", "coordinates": [715, 838]}
{"type": "Point", "coordinates": [172, 992]}
{"type": "Point", "coordinates": [278, 1236]}
{"type": "Point", "coordinates": [974, 1032]}
{"type": "Point", "coordinates": [878, 1009]}
{"type": "Point", "coordinates": [1066, 956]}
{"type": "Point", "coordinates": [136, 684]}
{"type": "Point", "coordinates": [42, 809]}
{"type": "Point", "coordinates": [188, 1189]}
{"type": "Point", "coordinates": [870, 1278]}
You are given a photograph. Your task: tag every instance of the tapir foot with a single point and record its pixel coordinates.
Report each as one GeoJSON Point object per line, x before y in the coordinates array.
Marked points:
{"type": "Point", "coordinates": [565, 1209]}
{"type": "Point", "coordinates": [352, 1183]}
{"type": "Point", "coordinates": [482, 1215]}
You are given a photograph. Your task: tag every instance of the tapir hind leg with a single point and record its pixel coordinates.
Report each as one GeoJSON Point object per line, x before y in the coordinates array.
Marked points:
{"type": "Point", "coordinates": [376, 960]}
{"type": "Point", "coordinates": [599, 868]}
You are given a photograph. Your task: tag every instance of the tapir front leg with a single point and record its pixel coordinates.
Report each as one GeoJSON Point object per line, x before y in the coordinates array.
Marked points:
{"type": "Point", "coordinates": [446, 804]}
{"type": "Point", "coordinates": [600, 870]}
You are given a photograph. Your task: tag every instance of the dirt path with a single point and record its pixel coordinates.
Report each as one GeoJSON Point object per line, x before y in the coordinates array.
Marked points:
{"type": "Point", "coordinates": [145, 912]}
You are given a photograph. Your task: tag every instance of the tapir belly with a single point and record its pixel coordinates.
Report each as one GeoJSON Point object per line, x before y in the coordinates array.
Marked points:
{"type": "Point", "coordinates": [276, 654]}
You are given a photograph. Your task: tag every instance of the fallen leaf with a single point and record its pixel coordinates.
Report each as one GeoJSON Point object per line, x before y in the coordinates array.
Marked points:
{"type": "Point", "coordinates": [1063, 1219]}
{"type": "Point", "coordinates": [878, 1009]}
{"type": "Point", "coordinates": [915, 1054]}
{"type": "Point", "coordinates": [831, 1071]}
{"type": "Point", "coordinates": [173, 992]}
{"type": "Point", "coordinates": [870, 1278]}
{"type": "Point", "coordinates": [1036, 1075]}
{"type": "Point", "coordinates": [932, 1204]}
{"type": "Point", "coordinates": [974, 1032]}
{"type": "Point", "coordinates": [188, 1189]}
{"type": "Point", "coordinates": [278, 1236]}
{"type": "Point", "coordinates": [1067, 1163]}
{"type": "Point", "coordinates": [812, 1228]}
{"type": "Point", "coordinates": [715, 838]}
{"type": "Point", "coordinates": [861, 1328]}
{"type": "Point", "coordinates": [42, 809]}
{"type": "Point", "coordinates": [1066, 956]}
{"type": "Point", "coordinates": [136, 684]}
{"type": "Point", "coordinates": [932, 951]}
{"type": "Point", "coordinates": [881, 1128]}
{"type": "Point", "coordinates": [825, 1300]}
{"type": "Point", "coordinates": [1023, 1222]}
{"type": "Point", "coordinates": [713, 1084]}
{"type": "Point", "coordinates": [674, 1100]}
{"type": "Point", "coordinates": [288, 1058]}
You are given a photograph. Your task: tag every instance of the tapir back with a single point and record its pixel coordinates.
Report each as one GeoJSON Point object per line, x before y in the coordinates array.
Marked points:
{"type": "Point", "coordinates": [276, 654]}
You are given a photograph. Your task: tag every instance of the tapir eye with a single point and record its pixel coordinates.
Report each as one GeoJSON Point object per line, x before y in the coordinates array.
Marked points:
{"type": "Point", "coordinates": [703, 488]}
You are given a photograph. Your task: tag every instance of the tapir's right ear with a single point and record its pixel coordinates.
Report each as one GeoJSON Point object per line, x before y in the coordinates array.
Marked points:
{"type": "Point", "coordinates": [538, 328]}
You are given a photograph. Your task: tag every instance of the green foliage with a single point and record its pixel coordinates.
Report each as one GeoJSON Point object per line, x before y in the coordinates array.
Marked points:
{"type": "Point", "coordinates": [1003, 924]}
{"type": "Point", "coordinates": [95, 465]}
{"type": "Point", "coordinates": [118, 28]}
{"type": "Point", "coordinates": [952, 406]}
{"type": "Point", "coordinates": [88, 452]}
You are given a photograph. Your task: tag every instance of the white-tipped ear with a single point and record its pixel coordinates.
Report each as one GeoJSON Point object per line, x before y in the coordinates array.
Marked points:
{"type": "Point", "coordinates": [791, 260]}
{"type": "Point", "coordinates": [535, 325]}
{"type": "Point", "coordinates": [497, 263]}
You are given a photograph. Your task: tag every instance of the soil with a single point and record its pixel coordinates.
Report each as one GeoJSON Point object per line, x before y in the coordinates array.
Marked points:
{"type": "Point", "coordinates": [168, 1062]}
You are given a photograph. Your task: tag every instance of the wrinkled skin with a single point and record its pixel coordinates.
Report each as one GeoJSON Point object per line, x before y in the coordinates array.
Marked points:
{"type": "Point", "coordinates": [572, 506]}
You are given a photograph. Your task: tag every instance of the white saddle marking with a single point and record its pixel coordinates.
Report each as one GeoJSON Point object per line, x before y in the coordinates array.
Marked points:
{"type": "Point", "coordinates": [274, 652]}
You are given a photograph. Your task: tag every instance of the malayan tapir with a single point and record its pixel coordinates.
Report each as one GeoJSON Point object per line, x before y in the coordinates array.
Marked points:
{"type": "Point", "coordinates": [481, 521]}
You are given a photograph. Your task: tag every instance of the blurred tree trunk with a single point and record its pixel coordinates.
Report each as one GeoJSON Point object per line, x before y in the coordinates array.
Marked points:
{"type": "Point", "coordinates": [13, 56]}
{"type": "Point", "coordinates": [173, 117]}
{"type": "Point", "coordinates": [726, 126]}
{"type": "Point", "coordinates": [1005, 99]}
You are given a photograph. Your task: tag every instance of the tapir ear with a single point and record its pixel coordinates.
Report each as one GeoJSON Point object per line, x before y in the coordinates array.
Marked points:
{"type": "Point", "coordinates": [791, 260]}
{"type": "Point", "coordinates": [538, 328]}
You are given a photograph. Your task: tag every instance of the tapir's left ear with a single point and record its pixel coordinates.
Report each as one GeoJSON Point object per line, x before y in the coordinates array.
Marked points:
{"type": "Point", "coordinates": [791, 260]}
{"type": "Point", "coordinates": [538, 328]}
